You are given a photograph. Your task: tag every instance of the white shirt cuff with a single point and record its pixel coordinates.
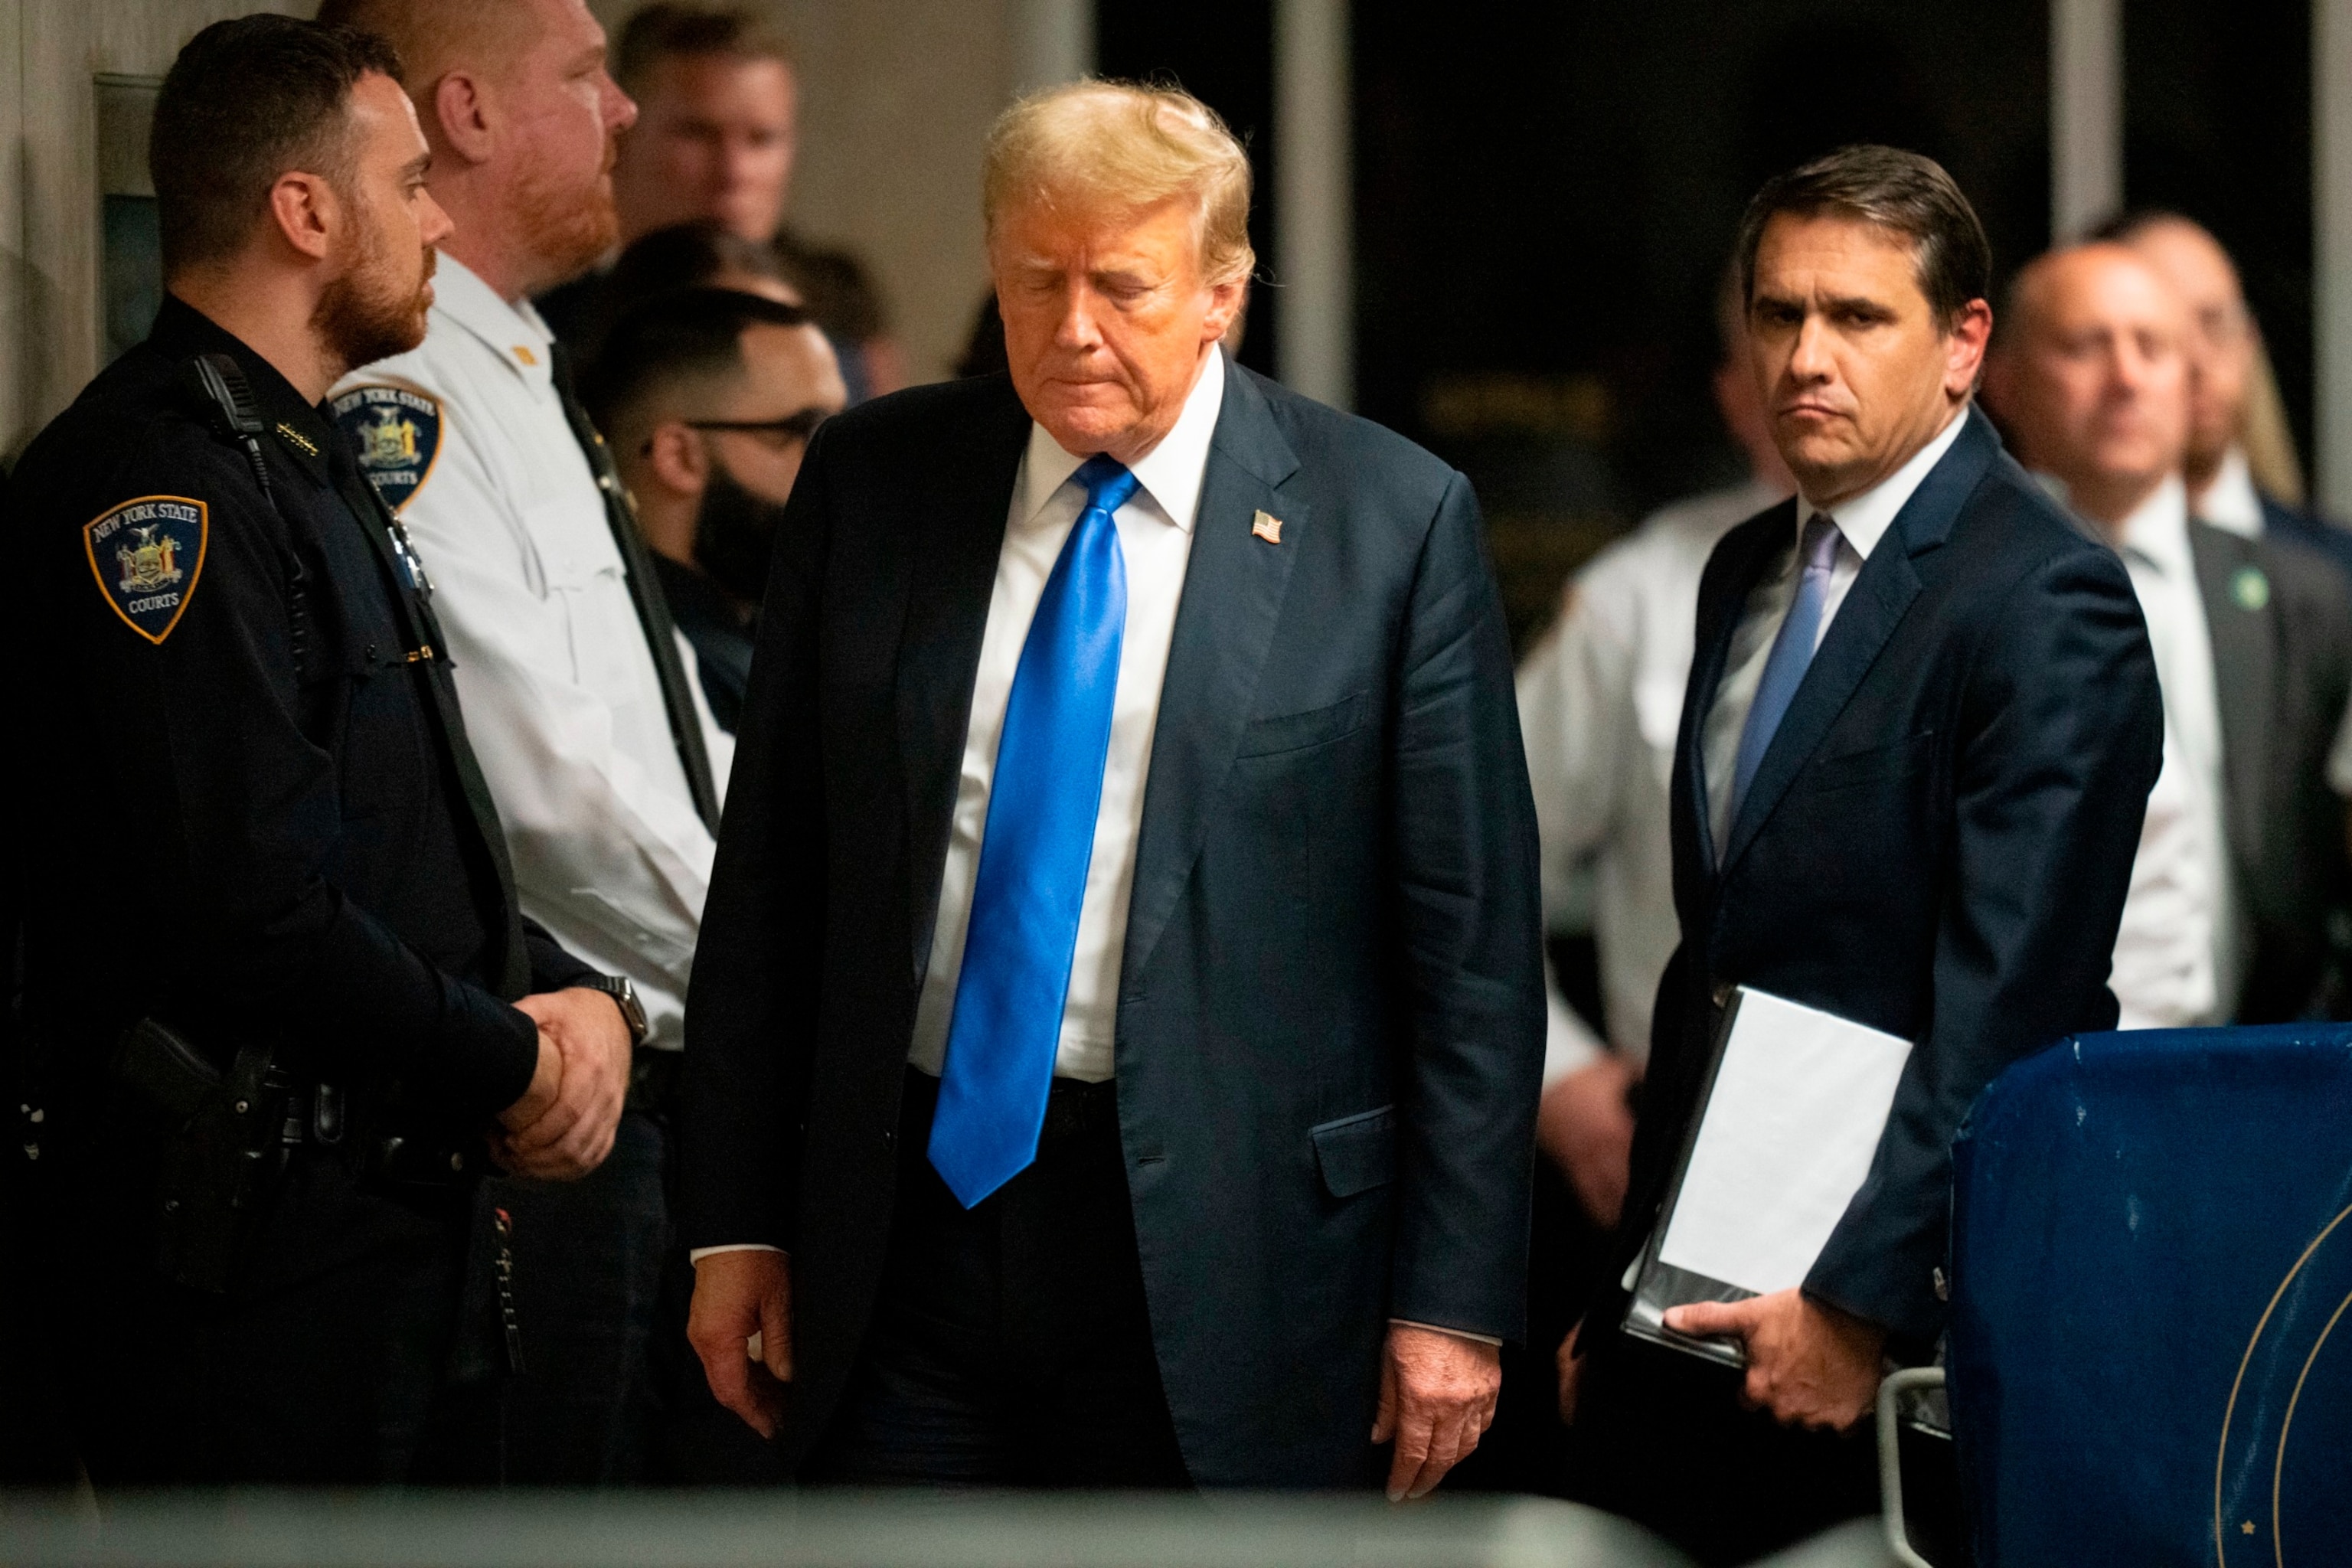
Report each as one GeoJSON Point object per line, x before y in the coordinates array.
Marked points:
{"type": "Point", "coordinates": [697, 1255]}
{"type": "Point", "coordinates": [1440, 1329]}
{"type": "Point", "coordinates": [1569, 1043]}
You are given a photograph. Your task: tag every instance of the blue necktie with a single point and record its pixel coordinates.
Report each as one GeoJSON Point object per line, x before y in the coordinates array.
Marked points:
{"type": "Point", "coordinates": [1792, 652]}
{"type": "Point", "coordinates": [1042, 804]}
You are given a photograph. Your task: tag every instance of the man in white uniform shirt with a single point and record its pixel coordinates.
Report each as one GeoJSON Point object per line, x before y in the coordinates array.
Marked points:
{"type": "Point", "coordinates": [595, 741]}
{"type": "Point", "coordinates": [2239, 860]}
{"type": "Point", "coordinates": [1600, 696]}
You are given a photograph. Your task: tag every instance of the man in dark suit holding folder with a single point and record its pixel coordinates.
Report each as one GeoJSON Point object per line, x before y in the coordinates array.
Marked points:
{"type": "Point", "coordinates": [1917, 742]}
{"type": "Point", "coordinates": [1120, 994]}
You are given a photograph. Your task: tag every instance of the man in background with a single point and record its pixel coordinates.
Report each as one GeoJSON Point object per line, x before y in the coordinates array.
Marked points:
{"type": "Point", "coordinates": [602, 755]}
{"type": "Point", "coordinates": [2230, 375]}
{"type": "Point", "coordinates": [710, 396]}
{"type": "Point", "coordinates": [1600, 697]}
{"type": "Point", "coordinates": [719, 100]}
{"type": "Point", "coordinates": [1920, 722]}
{"type": "Point", "coordinates": [2242, 857]}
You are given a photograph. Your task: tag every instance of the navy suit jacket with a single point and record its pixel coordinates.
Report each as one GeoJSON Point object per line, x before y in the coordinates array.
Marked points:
{"type": "Point", "coordinates": [1937, 843]}
{"type": "Point", "coordinates": [1330, 1015]}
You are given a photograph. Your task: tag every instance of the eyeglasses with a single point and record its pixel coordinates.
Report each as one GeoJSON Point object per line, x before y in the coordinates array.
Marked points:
{"type": "Point", "coordinates": [780, 434]}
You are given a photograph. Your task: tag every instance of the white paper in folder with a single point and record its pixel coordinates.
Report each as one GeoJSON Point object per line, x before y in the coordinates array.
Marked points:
{"type": "Point", "coordinates": [1798, 1106]}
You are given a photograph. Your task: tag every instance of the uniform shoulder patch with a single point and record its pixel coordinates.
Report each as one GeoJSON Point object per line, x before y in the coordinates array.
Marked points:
{"type": "Point", "coordinates": [395, 434]}
{"type": "Point", "coordinates": [147, 555]}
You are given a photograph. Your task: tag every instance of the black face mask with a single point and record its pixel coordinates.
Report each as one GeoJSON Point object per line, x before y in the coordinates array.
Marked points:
{"type": "Point", "coordinates": [734, 535]}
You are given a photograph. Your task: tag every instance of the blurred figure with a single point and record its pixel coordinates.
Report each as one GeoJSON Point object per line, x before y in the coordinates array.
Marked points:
{"type": "Point", "coordinates": [1601, 696]}
{"type": "Point", "coordinates": [2234, 416]}
{"type": "Point", "coordinates": [683, 256]}
{"type": "Point", "coordinates": [2242, 857]}
{"type": "Point", "coordinates": [597, 744]}
{"type": "Point", "coordinates": [710, 396]}
{"type": "Point", "coordinates": [719, 129]}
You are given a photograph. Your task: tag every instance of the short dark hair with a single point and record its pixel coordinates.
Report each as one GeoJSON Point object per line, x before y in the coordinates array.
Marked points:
{"type": "Point", "coordinates": [663, 261]}
{"type": "Point", "coordinates": [669, 29]}
{"type": "Point", "coordinates": [686, 335]}
{"type": "Point", "coordinates": [246, 101]}
{"type": "Point", "coordinates": [1906, 192]}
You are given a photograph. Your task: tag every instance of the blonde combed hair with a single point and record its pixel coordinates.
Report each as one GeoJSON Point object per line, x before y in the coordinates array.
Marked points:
{"type": "Point", "coordinates": [1116, 145]}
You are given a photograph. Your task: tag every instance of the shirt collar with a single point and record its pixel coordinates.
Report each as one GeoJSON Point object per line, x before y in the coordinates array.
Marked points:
{"type": "Point", "coordinates": [2230, 501]}
{"type": "Point", "coordinates": [1171, 473]}
{"type": "Point", "coordinates": [2157, 530]}
{"type": "Point", "coordinates": [1865, 519]}
{"type": "Point", "coordinates": [515, 335]}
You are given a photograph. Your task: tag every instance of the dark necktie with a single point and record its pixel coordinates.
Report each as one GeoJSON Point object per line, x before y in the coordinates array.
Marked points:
{"type": "Point", "coordinates": [645, 593]}
{"type": "Point", "coordinates": [1042, 802]}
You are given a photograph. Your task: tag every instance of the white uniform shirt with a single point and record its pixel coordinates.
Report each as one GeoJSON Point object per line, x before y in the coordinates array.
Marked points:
{"type": "Point", "coordinates": [1860, 521]}
{"type": "Point", "coordinates": [1600, 697]}
{"type": "Point", "coordinates": [2177, 962]}
{"type": "Point", "coordinates": [1155, 536]}
{"type": "Point", "coordinates": [561, 702]}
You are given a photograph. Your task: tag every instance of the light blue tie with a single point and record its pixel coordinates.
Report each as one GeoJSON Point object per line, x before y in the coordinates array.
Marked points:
{"type": "Point", "coordinates": [1792, 653]}
{"type": "Point", "coordinates": [1042, 804]}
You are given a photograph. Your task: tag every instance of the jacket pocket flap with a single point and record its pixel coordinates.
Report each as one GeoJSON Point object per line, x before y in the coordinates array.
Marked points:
{"type": "Point", "coordinates": [1895, 758]}
{"type": "Point", "coordinates": [1357, 1153]}
{"type": "Point", "coordinates": [1296, 732]}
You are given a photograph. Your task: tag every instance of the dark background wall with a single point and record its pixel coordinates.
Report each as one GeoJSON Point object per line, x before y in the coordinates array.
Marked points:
{"type": "Point", "coordinates": [1545, 198]}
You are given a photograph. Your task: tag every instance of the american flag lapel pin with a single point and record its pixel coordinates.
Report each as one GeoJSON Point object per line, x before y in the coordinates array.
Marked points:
{"type": "Point", "coordinates": [1266, 527]}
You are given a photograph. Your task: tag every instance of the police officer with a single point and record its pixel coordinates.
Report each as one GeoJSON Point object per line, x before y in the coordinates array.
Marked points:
{"type": "Point", "coordinates": [273, 955]}
{"type": "Point", "coordinates": [605, 759]}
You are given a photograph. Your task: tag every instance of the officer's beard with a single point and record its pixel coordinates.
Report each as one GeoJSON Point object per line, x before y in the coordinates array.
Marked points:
{"type": "Point", "coordinates": [734, 535]}
{"type": "Point", "coordinates": [368, 311]}
{"type": "Point", "coordinates": [569, 228]}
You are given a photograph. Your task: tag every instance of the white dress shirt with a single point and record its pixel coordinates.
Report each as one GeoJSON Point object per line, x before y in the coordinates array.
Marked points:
{"type": "Point", "coordinates": [1601, 699]}
{"type": "Point", "coordinates": [2230, 501]}
{"type": "Point", "coordinates": [1155, 537]}
{"type": "Point", "coordinates": [562, 704]}
{"type": "Point", "coordinates": [1861, 522]}
{"type": "Point", "coordinates": [2177, 962]}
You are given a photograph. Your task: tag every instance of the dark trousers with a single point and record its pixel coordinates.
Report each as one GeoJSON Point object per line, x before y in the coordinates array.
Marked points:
{"type": "Point", "coordinates": [1659, 1437]}
{"type": "Point", "coordinates": [343, 1358]}
{"type": "Point", "coordinates": [1011, 1344]}
{"type": "Point", "coordinates": [588, 1263]}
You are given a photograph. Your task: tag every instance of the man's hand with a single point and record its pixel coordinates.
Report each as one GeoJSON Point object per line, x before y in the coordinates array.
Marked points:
{"type": "Point", "coordinates": [570, 1137]}
{"type": "Point", "coordinates": [1437, 1398]}
{"type": "Point", "coordinates": [1809, 1364]}
{"type": "Point", "coordinates": [1585, 1126]}
{"type": "Point", "coordinates": [1570, 1364]}
{"type": "Point", "coordinates": [736, 1295]}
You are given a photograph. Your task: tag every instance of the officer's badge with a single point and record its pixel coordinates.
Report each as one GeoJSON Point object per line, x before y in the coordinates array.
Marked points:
{"type": "Point", "coordinates": [147, 555]}
{"type": "Point", "coordinates": [395, 433]}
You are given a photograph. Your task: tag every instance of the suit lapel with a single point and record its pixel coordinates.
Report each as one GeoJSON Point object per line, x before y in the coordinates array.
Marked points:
{"type": "Point", "coordinates": [2244, 667]}
{"type": "Point", "coordinates": [1874, 607]}
{"type": "Point", "coordinates": [1234, 589]}
{"type": "Point", "coordinates": [1762, 540]}
{"type": "Point", "coordinates": [949, 569]}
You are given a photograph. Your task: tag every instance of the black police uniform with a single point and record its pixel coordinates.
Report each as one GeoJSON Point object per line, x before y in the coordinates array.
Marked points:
{"type": "Point", "coordinates": [254, 818]}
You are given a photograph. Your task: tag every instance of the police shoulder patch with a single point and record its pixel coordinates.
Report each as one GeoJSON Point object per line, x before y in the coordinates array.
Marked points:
{"type": "Point", "coordinates": [395, 434]}
{"type": "Point", "coordinates": [147, 555]}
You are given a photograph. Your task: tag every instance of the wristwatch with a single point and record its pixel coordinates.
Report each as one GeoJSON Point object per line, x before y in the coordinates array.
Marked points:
{"type": "Point", "coordinates": [625, 998]}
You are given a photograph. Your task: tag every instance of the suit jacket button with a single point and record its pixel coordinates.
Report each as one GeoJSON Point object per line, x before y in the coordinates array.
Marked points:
{"type": "Point", "coordinates": [890, 1138]}
{"type": "Point", "coordinates": [1722, 994]}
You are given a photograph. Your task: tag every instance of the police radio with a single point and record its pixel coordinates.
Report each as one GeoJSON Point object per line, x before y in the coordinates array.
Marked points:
{"type": "Point", "coordinates": [231, 410]}
{"type": "Point", "coordinates": [219, 384]}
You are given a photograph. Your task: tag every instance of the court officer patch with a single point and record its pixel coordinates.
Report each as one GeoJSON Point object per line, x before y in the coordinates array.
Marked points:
{"type": "Point", "coordinates": [395, 433]}
{"type": "Point", "coordinates": [147, 555]}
